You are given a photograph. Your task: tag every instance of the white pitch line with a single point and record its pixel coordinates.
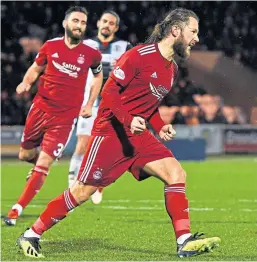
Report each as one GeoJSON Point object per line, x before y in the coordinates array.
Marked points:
{"type": "Point", "coordinates": [194, 209]}
{"type": "Point", "coordinates": [248, 210]}
{"type": "Point", "coordinates": [131, 208]}
{"type": "Point", "coordinates": [201, 209]}
{"type": "Point", "coordinates": [157, 201]}
{"type": "Point", "coordinates": [138, 201]}
{"type": "Point", "coordinates": [232, 159]}
{"type": "Point", "coordinates": [35, 206]}
{"type": "Point", "coordinates": [248, 200]}
{"type": "Point", "coordinates": [118, 201]}
{"type": "Point", "coordinates": [30, 206]}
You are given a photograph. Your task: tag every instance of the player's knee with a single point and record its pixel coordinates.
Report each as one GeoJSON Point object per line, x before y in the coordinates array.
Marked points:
{"type": "Point", "coordinates": [25, 155]}
{"type": "Point", "coordinates": [80, 192]}
{"type": "Point", "coordinates": [45, 160]}
{"type": "Point", "coordinates": [22, 156]}
{"type": "Point", "coordinates": [177, 175]}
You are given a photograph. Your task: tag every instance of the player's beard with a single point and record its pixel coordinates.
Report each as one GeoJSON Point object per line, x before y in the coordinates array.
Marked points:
{"type": "Point", "coordinates": [74, 38]}
{"type": "Point", "coordinates": [180, 49]}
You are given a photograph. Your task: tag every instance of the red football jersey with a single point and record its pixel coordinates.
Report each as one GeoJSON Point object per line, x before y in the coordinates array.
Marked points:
{"type": "Point", "coordinates": [136, 87]}
{"type": "Point", "coordinates": [61, 87]}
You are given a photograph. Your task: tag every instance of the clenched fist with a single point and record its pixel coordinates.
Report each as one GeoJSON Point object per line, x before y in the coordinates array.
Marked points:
{"type": "Point", "coordinates": [137, 125]}
{"type": "Point", "coordinates": [86, 111]}
{"type": "Point", "coordinates": [23, 87]}
{"type": "Point", "coordinates": [167, 132]}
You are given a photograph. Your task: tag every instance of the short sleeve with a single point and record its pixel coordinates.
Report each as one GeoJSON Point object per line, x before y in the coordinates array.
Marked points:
{"type": "Point", "coordinates": [41, 58]}
{"type": "Point", "coordinates": [126, 69]}
{"type": "Point", "coordinates": [96, 65]}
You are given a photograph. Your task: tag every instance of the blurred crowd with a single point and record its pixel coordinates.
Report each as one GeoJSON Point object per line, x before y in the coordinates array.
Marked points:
{"type": "Point", "coordinates": [227, 26]}
{"type": "Point", "coordinates": [206, 109]}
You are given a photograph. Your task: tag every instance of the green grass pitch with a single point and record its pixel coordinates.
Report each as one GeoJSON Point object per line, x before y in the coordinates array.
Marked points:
{"type": "Point", "coordinates": [131, 223]}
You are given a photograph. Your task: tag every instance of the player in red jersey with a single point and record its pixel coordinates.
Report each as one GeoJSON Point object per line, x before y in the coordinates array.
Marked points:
{"type": "Point", "coordinates": [120, 140]}
{"type": "Point", "coordinates": [65, 62]}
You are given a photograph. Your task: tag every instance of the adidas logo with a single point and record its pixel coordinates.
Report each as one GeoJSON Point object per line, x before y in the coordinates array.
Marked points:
{"type": "Point", "coordinates": [55, 220]}
{"type": "Point", "coordinates": [55, 55]}
{"type": "Point", "coordinates": [154, 75]}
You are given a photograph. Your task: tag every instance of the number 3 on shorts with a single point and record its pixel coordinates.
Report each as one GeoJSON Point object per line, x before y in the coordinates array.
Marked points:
{"type": "Point", "coordinates": [59, 150]}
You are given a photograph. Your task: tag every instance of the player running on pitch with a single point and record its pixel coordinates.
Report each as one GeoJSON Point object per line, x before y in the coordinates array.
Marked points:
{"type": "Point", "coordinates": [64, 62]}
{"type": "Point", "coordinates": [120, 140]}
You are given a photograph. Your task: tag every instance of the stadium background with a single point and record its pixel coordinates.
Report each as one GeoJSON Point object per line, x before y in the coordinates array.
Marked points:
{"type": "Point", "coordinates": [217, 86]}
{"type": "Point", "coordinates": [221, 189]}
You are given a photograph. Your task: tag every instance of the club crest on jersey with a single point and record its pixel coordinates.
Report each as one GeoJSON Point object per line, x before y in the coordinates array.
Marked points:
{"type": "Point", "coordinates": [81, 59]}
{"type": "Point", "coordinates": [119, 73]}
{"type": "Point", "coordinates": [97, 174]}
{"type": "Point", "coordinates": [116, 48]}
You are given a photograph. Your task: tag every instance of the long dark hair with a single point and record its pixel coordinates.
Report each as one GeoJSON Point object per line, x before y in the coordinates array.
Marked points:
{"type": "Point", "coordinates": [179, 16]}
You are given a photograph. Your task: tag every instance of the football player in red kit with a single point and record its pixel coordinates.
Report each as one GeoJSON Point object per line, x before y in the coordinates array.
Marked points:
{"type": "Point", "coordinates": [120, 140]}
{"type": "Point", "coordinates": [64, 62]}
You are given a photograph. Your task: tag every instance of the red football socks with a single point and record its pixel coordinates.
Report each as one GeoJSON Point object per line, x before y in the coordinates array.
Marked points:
{"type": "Point", "coordinates": [177, 207]}
{"type": "Point", "coordinates": [55, 211]}
{"type": "Point", "coordinates": [33, 185]}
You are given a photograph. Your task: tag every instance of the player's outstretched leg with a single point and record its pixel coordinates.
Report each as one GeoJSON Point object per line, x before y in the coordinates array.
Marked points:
{"type": "Point", "coordinates": [56, 210]}
{"type": "Point", "coordinates": [97, 196]}
{"type": "Point", "coordinates": [32, 187]}
{"type": "Point", "coordinates": [170, 171]}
